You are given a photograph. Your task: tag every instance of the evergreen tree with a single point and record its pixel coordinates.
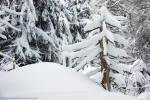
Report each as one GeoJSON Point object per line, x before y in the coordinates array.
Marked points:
{"type": "Point", "coordinates": [102, 42]}
{"type": "Point", "coordinates": [138, 80]}
{"type": "Point", "coordinates": [35, 29]}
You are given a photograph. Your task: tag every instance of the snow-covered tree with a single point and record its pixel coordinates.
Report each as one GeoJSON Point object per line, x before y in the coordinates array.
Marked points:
{"type": "Point", "coordinates": [54, 19]}
{"type": "Point", "coordinates": [80, 12]}
{"type": "Point", "coordinates": [87, 35]}
{"type": "Point", "coordinates": [138, 80]}
{"type": "Point", "coordinates": [7, 30]}
{"type": "Point", "coordinates": [35, 29]}
{"type": "Point", "coordinates": [101, 45]}
{"type": "Point", "coordinates": [139, 29]}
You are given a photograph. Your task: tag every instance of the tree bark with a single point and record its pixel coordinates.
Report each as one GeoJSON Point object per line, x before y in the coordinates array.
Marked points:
{"type": "Point", "coordinates": [105, 69]}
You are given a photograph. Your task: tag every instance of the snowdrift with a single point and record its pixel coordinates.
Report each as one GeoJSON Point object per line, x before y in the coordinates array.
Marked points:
{"type": "Point", "coordinates": [50, 81]}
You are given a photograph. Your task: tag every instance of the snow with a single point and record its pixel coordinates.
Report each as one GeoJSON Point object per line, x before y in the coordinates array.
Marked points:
{"type": "Point", "coordinates": [80, 53]}
{"type": "Point", "coordinates": [44, 35]}
{"type": "Point", "coordinates": [89, 71]}
{"type": "Point", "coordinates": [116, 52]}
{"type": "Point", "coordinates": [2, 36]}
{"type": "Point", "coordinates": [109, 35]}
{"type": "Point", "coordinates": [93, 73]}
{"type": "Point", "coordinates": [11, 11]}
{"type": "Point", "coordinates": [121, 68]}
{"type": "Point", "coordinates": [97, 23]}
{"type": "Point", "coordinates": [105, 46]}
{"type": "Point", "coordinates": [120, 39]}
{"type": "Point", "coordinates": [9, 25]}
{"type": "Point", "coordinates": [138, 65]}
{"type": "Point", "coordinates": [89, 58]}
{"type": "Point", "coordinates": [22, 11]}
{"type": "Point", "coordinates": [5, 55]}
{"type": "Point", "coordinates": [144, 96]}
{"type": "Point", "coordinates": [62, 2]}
{"type": "Point", "coordinates": [2, 12]}
{"type": "Point", "coordinates": [120, 18]}
{"type": "Point", "coordinates": [85, 43]}
{"type": "Point", "coordinates": [138, 77]}
{"type": "Point", "coordinates": [32, 8]}
{"type": "Point", "coordinates": [109, 18]}
{"type": "Point", "coordinates": [97, 77]}
{"type": "Point", "coordinates": [9, 66]}
{"type": "Point", "coordinates": [105, 16]}
{"type": "Point", "coordinates": [119, 79]}
{"type": "Point", "coordinates": [50, 81]}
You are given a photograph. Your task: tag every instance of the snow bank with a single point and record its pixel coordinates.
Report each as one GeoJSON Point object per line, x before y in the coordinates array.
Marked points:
{"type": "Point", "coordinates": [49, 81]}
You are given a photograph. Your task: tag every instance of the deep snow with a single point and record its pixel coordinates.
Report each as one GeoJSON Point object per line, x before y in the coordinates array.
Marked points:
{"type": "Point", "coordinates": [50, 81]}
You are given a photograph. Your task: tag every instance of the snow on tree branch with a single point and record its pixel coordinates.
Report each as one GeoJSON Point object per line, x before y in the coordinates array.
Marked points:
{"type": "Point", "coordinates": [85, 43]}
{"type": "Point", "coordinates": [87, 59]}
{"type": "Point", "coordinates": [103, 41]}
{"type": "Point", "coordinates": [11, 11]}
{"type": "Point", "coordinates": [80, 53]}
{"type": "Point", "coordinates": [32, 8]}
{"type": "Point", "coordinates": [120, 39]}
{"type": "Point", "coordinates": [108, 17]}
{"type": "Point", "coordinates": [90, 26]}
{"type": "Point", "coordinates": [3, 36]}
{"type": "Point", "coordinates": [5, 55]}
{"type": "Point", "coordinates": [44, 36]}
{"type": "Point", "coordinates": [9, 25]}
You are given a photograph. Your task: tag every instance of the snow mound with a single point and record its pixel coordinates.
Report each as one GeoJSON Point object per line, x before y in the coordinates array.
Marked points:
{"type": "Point", "coordinates": [50, 81]}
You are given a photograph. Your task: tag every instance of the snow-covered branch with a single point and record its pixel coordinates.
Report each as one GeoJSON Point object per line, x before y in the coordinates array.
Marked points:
{"type": "Point", "coordinates": [9, 25]}
{"type": "Point", "coordinates": [5, 55]}
{"type": "Point", "coordinates": [89, 58]}
{"type": "Point", "coordinates": [105, 16]}
{"type": "Point", "coordinates": [44, 35]}
{"type": "Point", "coordinates": [32, 8]}
{"type": "Point", "coordinates": [11, 11]}
{"type": "Point", "coordinates": [85, 43]}
{"type": "Point", "coordinates": [120, 39]}
{"type": "Point", "coordinates": [97, 23]}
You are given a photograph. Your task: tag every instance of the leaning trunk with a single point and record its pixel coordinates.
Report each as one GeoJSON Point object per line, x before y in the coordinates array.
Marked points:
{"type": "Point", "coordinates": [105, 69]}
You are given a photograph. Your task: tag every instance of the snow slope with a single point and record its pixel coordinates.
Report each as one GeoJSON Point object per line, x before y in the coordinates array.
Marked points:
{"type": "Point", "coordinates": [50, 81]}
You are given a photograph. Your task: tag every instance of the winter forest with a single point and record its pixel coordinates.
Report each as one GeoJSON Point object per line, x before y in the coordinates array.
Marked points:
{"type": "Point", "coordinates": [106, 41]}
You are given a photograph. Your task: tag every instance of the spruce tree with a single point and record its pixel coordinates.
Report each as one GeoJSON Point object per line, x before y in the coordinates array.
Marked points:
{"type": "Point", "coordinates": [103, 43]}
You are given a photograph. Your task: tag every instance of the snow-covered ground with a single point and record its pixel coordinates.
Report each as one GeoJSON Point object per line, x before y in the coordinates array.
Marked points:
{"type": "Point", "coordinates": [50, 81]}
{"type": "Point", "coordinates": [144, 96]}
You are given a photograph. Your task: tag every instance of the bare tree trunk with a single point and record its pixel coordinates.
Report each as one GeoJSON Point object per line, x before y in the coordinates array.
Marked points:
{"type": "Point", "coordinates": [105, 69]}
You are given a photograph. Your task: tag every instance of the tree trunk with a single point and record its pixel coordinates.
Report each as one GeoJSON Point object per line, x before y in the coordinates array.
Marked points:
{"type": "Point", "coordinates": [105, 69]}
